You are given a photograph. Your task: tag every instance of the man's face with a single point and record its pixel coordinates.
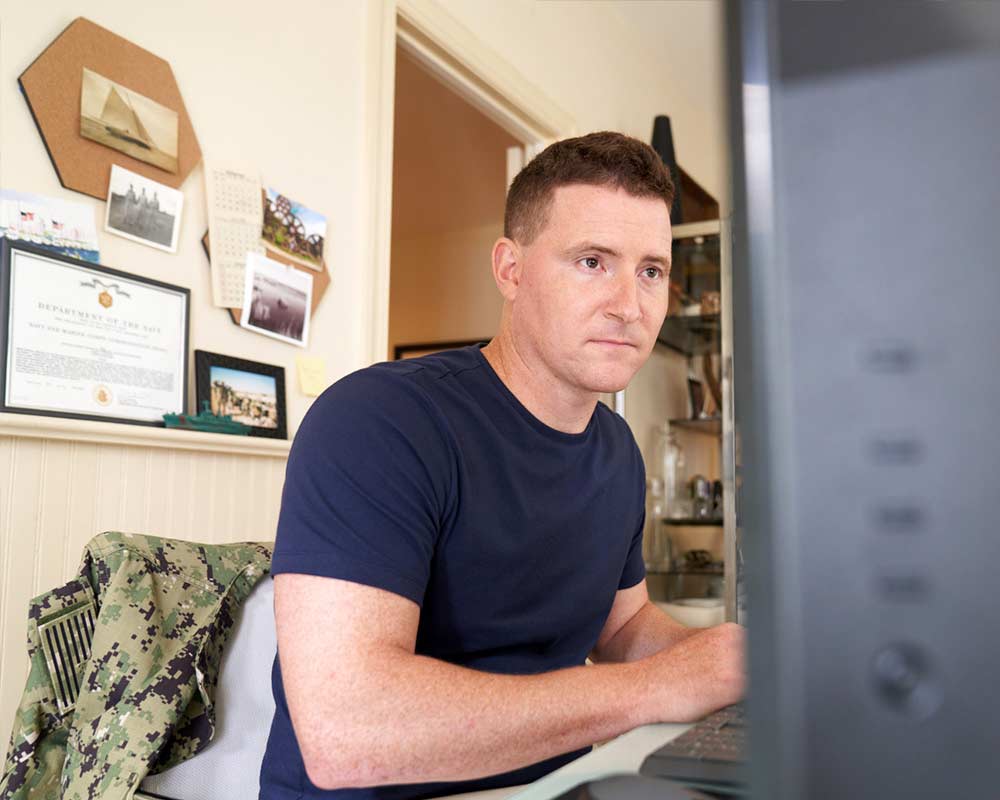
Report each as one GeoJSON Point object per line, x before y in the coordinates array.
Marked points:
{"type": "Point", "coordinates": [594, 287]}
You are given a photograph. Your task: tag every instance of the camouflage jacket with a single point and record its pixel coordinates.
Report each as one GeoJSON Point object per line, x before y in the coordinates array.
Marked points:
{"type": "Point", "coordinates": [124, 662]}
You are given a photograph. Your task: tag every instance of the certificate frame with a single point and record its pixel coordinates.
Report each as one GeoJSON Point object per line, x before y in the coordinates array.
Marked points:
{"type": "Point", "coordinates": [57, 406]}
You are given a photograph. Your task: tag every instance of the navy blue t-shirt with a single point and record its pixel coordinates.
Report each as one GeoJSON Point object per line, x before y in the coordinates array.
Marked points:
{"type": "Point", "coordinates": [429, 479]}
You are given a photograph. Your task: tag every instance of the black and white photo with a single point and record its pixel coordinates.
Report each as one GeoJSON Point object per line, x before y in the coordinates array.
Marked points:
{"type": "Point", "coordinates": [125, 120]}
{"type": "Point", "coordinates": [277, 300]}
{"type": "Point", "coordinates": [143, 210]}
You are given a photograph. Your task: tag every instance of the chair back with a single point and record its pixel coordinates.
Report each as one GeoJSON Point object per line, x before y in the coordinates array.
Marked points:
{"type": "Point", "coordinates": [230, 765]}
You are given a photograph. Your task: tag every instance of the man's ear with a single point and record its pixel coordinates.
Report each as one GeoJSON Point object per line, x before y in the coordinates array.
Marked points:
{"type": "Point", "coordinates": [507, 266]}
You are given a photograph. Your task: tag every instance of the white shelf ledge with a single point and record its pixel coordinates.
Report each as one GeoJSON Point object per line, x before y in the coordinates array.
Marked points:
{"type": "Point", "coordinates": [27, 426]}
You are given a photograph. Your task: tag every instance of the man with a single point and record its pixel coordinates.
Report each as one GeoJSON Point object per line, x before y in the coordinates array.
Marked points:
{"type": "Point", "coordinates": [459, 532]}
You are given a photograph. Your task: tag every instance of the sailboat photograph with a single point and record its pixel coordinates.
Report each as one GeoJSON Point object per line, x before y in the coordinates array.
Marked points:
{"type": "Point", "coordinates": [123, 119]}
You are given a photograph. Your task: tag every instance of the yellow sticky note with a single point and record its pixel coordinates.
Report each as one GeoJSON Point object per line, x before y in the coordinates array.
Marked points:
{"type": "Point", "coordinates": [312, 375]}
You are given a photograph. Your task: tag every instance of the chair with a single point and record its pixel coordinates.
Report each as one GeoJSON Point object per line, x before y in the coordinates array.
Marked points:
{"type": "Point", "coordinates": [230, 765]}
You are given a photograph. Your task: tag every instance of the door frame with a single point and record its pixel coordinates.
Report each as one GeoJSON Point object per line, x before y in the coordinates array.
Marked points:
{"type": "Point", "coordinates": [471, 68]}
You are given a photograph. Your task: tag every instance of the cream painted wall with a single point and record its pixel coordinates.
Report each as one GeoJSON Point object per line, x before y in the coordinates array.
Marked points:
{"type": "Point", "coordinates": [261, 88]}
{"type": "Point", "coordinates": [290, 99]}
{"type": "Point", "coordinates": [615, 64]}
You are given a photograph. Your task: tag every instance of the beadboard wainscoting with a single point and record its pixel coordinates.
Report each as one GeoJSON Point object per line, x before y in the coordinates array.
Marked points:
{"type": "Point", "coordinates": [62, 481]}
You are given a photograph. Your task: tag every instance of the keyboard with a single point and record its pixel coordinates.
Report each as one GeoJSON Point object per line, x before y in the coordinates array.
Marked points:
{"type": "Point", "coordinates": [711, 755]}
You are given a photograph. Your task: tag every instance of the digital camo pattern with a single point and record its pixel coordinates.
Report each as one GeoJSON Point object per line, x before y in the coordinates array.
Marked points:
{"type": "Point", "coordinates": [165, 608]}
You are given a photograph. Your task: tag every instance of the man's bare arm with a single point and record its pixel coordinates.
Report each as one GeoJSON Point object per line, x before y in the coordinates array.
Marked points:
{"type": "Point", "coordinates": [368, 711]}
{"type": "Point", "coordinates": [636, 628]}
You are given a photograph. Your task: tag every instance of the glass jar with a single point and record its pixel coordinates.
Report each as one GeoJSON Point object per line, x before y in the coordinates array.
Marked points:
{"type": "Point", "coordinates": [657, 551]}
{"type": "Point", "coordinates": [669, 467]}
{"type": "Point", "coordinates": [654, 510]}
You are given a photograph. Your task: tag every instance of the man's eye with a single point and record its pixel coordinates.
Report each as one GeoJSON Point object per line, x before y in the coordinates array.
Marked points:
{"type": "Point", "coordinates": [590, 262]}
{"type": "Point", "coordinates": [653, 272]}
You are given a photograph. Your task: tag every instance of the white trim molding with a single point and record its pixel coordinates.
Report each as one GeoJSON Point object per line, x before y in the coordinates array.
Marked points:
{"type": "Point", "coordinates": [472, 69]}
{"type": "Point", "coordinates": [26, 426]}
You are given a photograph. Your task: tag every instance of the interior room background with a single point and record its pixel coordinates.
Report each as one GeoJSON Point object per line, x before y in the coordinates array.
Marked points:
{"type": "Point", "coordinates": [289, 93]}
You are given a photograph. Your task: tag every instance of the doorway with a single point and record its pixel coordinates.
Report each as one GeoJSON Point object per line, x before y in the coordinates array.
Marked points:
{"type": "Point", "coordinates": [449, 179]}
{"type": "Point", "coordinates": [480, 77]}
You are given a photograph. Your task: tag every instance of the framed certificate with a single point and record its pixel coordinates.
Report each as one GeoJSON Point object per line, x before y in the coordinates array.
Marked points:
{"type": "Point", "coordinates": [84, 341]}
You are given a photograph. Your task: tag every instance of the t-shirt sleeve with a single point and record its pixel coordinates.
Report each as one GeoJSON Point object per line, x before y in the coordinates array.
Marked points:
{"type": "Point", "coordinates": [369, 480]}
{"type": "Point", "coordinates": [635, 568]}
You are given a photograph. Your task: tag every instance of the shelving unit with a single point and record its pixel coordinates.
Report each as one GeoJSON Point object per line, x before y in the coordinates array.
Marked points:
{"type": "Point", "coordinates": [710, 426]}
{"type": "Point", "coordinates": [701, 263]}
{"type": "Point", "coordinates": [692, 335]}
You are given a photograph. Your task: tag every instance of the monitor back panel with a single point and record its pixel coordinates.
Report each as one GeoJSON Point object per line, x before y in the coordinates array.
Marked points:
{"type": "Point", "coordinates": [867, 352]}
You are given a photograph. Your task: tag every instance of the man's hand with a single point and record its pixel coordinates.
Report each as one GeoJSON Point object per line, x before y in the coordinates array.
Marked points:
{"type": "Point", "coordinates": [700, 674]}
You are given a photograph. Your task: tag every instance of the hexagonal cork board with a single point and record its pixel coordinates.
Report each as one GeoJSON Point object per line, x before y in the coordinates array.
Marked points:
{"type": "Point", "coordinates": [52, 86]}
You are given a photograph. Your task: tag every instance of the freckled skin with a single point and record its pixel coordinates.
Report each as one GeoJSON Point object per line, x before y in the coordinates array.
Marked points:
{"type": "Point", "coordinates": [563, 298]}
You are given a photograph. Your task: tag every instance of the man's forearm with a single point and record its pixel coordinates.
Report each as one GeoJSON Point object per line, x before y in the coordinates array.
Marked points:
{"type": "Point", "coordinates": [649, 631]}
{"type": "Point", "coordinates": [413, 719]}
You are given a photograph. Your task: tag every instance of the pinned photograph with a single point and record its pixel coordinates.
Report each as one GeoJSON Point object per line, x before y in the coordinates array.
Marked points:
{"type": "Point", "coordinates": [143, 210]}
{"type": "Point", "coordinates": [277, 300]}
{"type": "Point", "coordinates": [294, 230]}
{"type": "Point", "coordinates": [117, 117]}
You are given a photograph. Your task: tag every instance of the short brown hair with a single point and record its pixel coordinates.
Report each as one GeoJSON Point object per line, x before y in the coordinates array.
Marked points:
{"type": "Point", "coordinates": [598, 159]}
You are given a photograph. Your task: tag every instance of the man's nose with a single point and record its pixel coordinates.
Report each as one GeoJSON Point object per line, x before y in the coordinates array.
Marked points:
{"type": "Point", "coordinates": [623, 304]}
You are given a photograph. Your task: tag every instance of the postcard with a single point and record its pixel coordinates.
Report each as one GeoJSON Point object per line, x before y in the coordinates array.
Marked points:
{"type": "Point", "coordinates": [61, 226]}
{"type": "Point", "coordinates": [294, 230]}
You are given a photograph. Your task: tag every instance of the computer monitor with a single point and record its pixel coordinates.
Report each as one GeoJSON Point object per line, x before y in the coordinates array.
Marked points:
{"type": "Point", "coordinates": [866, 276]}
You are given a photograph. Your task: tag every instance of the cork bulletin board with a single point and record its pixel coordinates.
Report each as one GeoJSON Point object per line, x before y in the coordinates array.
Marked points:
{"type": "Point", "coordinates": [52, 87]}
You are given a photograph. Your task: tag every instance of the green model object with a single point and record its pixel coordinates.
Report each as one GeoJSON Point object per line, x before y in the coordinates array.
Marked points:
{"type": "Point", "coordinates": [206, 421]}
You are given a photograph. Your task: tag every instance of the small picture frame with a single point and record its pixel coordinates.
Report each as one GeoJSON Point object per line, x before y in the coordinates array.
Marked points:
{"type": "Point", "coordinates": [248, 391]}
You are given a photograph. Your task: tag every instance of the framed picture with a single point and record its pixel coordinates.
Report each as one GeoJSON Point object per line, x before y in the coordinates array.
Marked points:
{"type": "Point", "coordinates": [248, 391]}
{"type": "Point", "coordinates": [417, 350]}
{"type": "Point", "coordinates": [85, 341]}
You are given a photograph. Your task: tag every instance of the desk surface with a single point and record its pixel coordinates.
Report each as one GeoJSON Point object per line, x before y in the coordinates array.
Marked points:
{"type": "Point", "coordinates": [623, 754]}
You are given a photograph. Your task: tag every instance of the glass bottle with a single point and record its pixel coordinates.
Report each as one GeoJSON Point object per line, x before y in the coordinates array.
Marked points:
{"type": "Point", "coordinates": [656, 545]}
{"type": "Point", "coordinates": [654, 508]}
{"type": "Point", "coordinates": [701, 497]}
{"type": "Point", "coordinates": [669, 467]}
